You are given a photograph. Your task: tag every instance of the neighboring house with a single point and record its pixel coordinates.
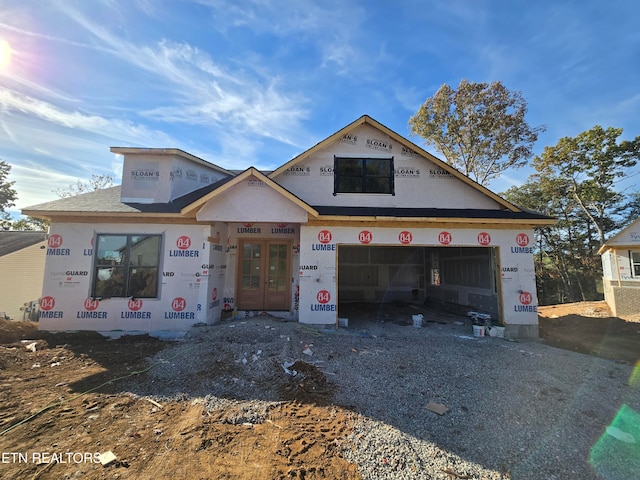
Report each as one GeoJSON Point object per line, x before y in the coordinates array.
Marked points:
{"type": "Point", "coordinates": [22, 259]}
{"type": "Point", "coordinates": [365, 215]}
{"type": "Point", "coordinates": [621, 270]}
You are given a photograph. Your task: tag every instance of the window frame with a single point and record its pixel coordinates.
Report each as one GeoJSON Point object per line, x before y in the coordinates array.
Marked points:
{"type": "Point", "coordinates": [634, 264]}
{"type": "Point", "coordinates": [127, 265]}
{"type": "Point", "coordinates": [363, 176]}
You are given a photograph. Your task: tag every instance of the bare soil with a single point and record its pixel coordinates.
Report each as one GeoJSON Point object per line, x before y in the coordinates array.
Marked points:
{"type": "Point", "coordinates": [172, 439]}
{"type": "Point", "coordinates": [64, 399]}
{"type": "Point", "coordinates": [590, 328]}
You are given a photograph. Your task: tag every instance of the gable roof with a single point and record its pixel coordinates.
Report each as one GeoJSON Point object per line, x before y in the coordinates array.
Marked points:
{"type": "Point", "coordinates": [231, 182]}
{"type": "Point", "coordinates": [622, 238]}
{"type": "Point", "coordinates": [106, 204]}
{"type": "Point", "coordinates": [11, 241]}
{"type": "Point", "coordinates": [367, 120]}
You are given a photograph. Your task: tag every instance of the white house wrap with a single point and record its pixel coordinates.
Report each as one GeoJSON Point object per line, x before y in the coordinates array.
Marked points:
{"type": "Point", "coordinates": [363, 216]}
{"type": "Point", "coordinates": [621, 270]}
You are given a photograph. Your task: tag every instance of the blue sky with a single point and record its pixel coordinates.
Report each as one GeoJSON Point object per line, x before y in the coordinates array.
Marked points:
{"type": "Point", "coordinates": [255, 82]}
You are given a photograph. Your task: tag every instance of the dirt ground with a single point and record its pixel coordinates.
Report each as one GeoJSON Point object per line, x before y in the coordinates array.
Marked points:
{"type": "Point", "coordinates": [590, 328]}
{"type": "Point", "coordinates": [61, 404]}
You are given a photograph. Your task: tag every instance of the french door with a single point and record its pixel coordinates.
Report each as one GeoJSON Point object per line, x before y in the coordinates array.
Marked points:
{"type": "Point", "coordinates": [264, 274]}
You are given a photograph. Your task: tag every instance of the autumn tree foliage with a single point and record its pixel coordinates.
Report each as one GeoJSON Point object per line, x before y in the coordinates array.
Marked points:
{"type": "Point", "coordinates": [576, 182]}
{"type": "Point", "coordinates": [479, 128]}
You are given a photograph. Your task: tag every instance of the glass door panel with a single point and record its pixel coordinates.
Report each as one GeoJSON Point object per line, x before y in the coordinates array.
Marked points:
{"type": "Point", "coordinates": [264, 274]}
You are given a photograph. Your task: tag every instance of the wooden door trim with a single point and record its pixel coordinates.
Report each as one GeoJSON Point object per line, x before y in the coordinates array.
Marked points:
{"type": "Point", "coordinates": [265, 242]}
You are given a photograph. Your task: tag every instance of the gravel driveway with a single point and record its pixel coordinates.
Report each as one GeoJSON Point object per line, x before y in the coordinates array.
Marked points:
{"type": "Point", "coordinates": [519, 410]}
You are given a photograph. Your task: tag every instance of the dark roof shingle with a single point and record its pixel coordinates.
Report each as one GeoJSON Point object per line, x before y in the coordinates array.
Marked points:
{"type": "Point", "coordinates": [107, 200]}
{"type": "Point", "coordinates": [408, 212]}
{"type": "Point", "coordinates": [11, 241]}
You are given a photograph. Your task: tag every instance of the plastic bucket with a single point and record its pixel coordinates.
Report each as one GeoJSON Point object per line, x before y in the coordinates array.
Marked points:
{"type": "Point", "coordinates": [497, 332]}
{"type": "Point", "coordinates": [417, 320]}
{"type": "Point", "coordinates": [478, 330]}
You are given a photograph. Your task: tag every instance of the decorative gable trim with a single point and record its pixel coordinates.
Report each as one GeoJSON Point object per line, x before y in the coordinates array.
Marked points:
{"type": "Point", "coordinates": [190, 210]}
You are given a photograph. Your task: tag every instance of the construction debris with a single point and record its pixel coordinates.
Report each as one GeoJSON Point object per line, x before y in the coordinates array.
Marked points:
{"type": "Point", "coordinates": [438, 408]}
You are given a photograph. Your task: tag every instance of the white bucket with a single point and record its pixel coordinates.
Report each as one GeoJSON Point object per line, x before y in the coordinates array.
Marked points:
{"type": "Point", "coordinates": [417, 320]}
{"type": "Point", "coordinates": [478, 330]}
{"type": "Point", "coordinates": [496, 332]}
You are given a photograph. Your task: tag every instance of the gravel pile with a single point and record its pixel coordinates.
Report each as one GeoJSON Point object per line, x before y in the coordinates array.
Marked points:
{"type": "Point", "coordinates": [519, 410]}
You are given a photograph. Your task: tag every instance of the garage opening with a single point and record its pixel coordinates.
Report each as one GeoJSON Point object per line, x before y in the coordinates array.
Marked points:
{"type": "Point", "coordinates": [451, 279]}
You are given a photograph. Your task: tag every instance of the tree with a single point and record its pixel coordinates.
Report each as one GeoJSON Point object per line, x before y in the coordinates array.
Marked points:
{"type": "Point", "coordinates": [591, 163]}
{"type": "Point", "coordinates": [633, 210]}
{"type": "Point", "coordinates": [479, 128]}
{"type": "Point", "coordinates": [31, 224]}
{"type": "Point", "coordinates": [7, 194]}
{"type": "Point", "coordinates": [567, 267]}
{"type": "Point", "coordinates": [576, 183]}
{"type": "Point", "coordinates": [97, 182]}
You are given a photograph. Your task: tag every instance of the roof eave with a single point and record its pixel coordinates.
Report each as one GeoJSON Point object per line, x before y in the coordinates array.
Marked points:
{"type": "Point", "coordinates": [49, 214]}
{"type": "Point", "coordinates": [607, 246]}
{"type": "Point", "coordinates": [537, 222]}
{"type": "Point", "coordinates": [168, 151]}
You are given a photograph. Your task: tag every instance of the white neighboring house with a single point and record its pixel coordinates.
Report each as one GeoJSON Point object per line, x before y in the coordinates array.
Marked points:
{"type": "Point", "coordinates": [22, 259]}
{"type": "Point", "coordinates": [363, 216]}
{"type": "Point", "coordinates": [621, 270]}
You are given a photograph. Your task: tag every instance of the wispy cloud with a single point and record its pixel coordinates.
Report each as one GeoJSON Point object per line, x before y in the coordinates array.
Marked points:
{"type": "Point", "coordinates": [37, 184]}
{"type": "Point", "coordinates": [115, 129]}
{"type": "Point", "coordinates": [49, 38]}
{"type": "Point", "coordinates": [210, 95]}
{"type": "Point", "coordinates": [205, 92]}
{"type": "Point", "coordinates": [332, 28]}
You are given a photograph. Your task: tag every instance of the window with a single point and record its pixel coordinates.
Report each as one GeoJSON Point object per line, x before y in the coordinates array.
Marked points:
{"type": "Point", "coordinates": [126, 266]}
{"type": "Point", "coordinates": [635, 263]}
{"type": "Point", "coordinates": [363, 175]}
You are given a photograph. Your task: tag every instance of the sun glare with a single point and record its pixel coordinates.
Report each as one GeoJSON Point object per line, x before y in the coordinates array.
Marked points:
{"type": "Point", "coordinates": [5, 54]}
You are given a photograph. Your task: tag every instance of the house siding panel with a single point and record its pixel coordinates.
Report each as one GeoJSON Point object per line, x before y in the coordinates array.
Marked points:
{"type": "Point", "coordinates": [24, 285]}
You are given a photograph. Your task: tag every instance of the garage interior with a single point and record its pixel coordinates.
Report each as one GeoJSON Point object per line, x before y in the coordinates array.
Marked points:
{"type": "Point", "coordinates": [388, 279]}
